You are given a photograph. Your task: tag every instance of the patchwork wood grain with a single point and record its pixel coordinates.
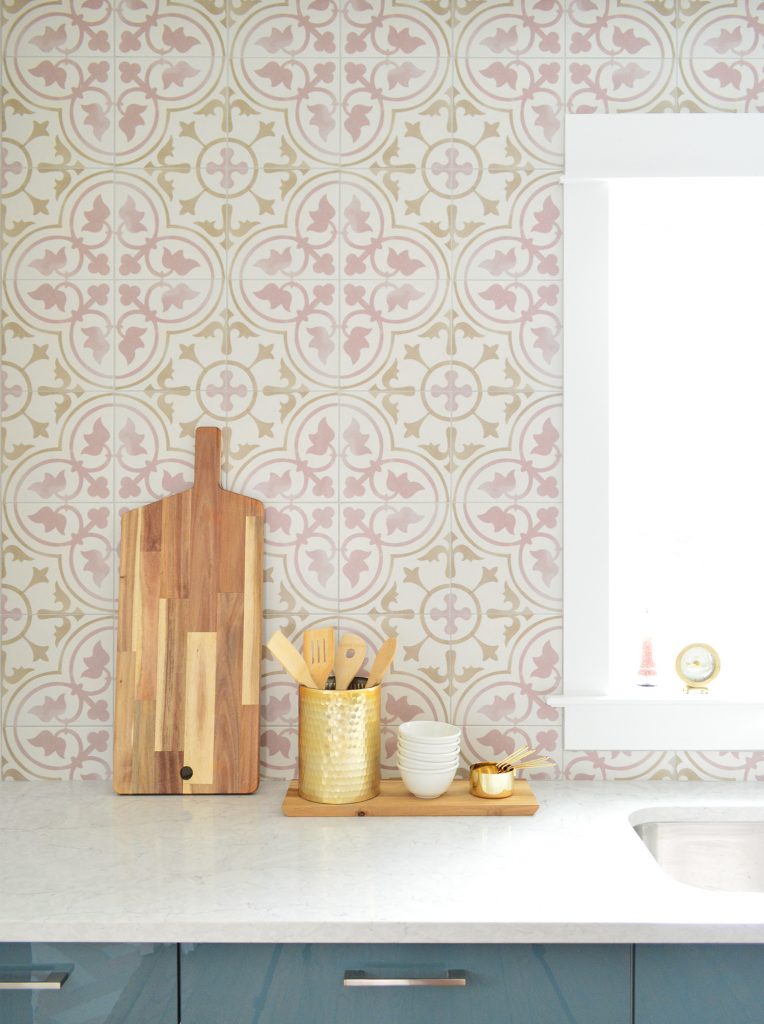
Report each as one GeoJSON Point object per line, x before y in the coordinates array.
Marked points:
{"type": "Point", "coordinates": [189, 635]}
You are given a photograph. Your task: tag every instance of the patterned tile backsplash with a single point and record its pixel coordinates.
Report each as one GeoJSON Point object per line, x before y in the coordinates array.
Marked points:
{"type": "Point", "coordinates": [334, 230]}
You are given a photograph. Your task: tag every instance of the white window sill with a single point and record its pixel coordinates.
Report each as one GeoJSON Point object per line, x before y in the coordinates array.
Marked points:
{"type": "Point", "coordinates": [652, 720]}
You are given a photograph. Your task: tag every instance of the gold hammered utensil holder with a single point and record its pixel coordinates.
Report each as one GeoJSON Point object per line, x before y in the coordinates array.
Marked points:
{"type": "Point", "coordinates": [339, 745]}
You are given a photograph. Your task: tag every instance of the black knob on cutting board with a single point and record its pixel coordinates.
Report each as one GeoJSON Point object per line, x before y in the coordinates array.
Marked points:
{"type": "Point", "coordinates": [186, 772]}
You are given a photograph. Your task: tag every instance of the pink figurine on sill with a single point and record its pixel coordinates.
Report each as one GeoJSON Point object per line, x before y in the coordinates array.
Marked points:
{"type": "Point", "coordinates": [647, 670]}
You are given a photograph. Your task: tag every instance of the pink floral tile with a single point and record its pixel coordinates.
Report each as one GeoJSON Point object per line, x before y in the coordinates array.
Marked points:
{"type": "Point", "coordinates": [75, 317]}
{"type": "Point", "coordinates": [17, 599]}
{"type": "Point", "coordinates": [481, 638]}
{"type": "Point", "coordinates": [512, 453]}
{"type": "Point", "coordinates": [70, 679]}
{"type": "Point", "coordinates": [378, 242]}
{"type": "Point", "coordinates": [723, 85]}
{"type": "Point", "coordinates": [278, 752]}
{"type": "Point", "coordinates": [411, 162]}
{"type": "Point", "coordinates": [58, 299]}
{"type": "Point", "coordinates": [527, 311]}
{"type": "Point", "coordinates": [510, 683]}
{"type": "Point", "coordinates": [278, 698]}
{"type": "Point", "coordinates": [380, 96]}
{"type": "Point", "coordinates": [62, 555]}
{"type": "Point", "coordinates": [619, 85]}
{"type": "Point", "coordinates": [58, 448]}
{"type": "Point", "coordinates": [606, 28]}
{"type": "Point", "coordinates": [522, 242]}
{"type": "Point", "coordinates": [287, 452]}
{"type": "Point", "coordinates": [159, 320]}
{"type": "Point", "coordinates": [63, 752]}
{"type": "Point", "coordinates": [508, 108]}
{"type": "Point", "coordinates": [610, 765]}
{"type": "Point", "coordinates": [298, 319]}
{"type": "Point", "coordinates": [163, 31]}
{"type": "Point", "coordinates": [301, 94]}
{"type": "Point", "coordinates": [60, 30]}
{"type": "Point", "coordinates": [302, 563]}
{"type": "Point", "coordinates": [156, 238]}
{"type": "Point", "coordinates": [720, 765]}
{"type": "Point", "coordinates": [396, 460]}
{"type": "Point", "coordinates": [510, 31]}
{"type": "Point", "coordinates": [164, 103]}
{"type": "Point", "coordinates": [730, 31]}
{"type": "Point", "coordinates": [300, 354]}
{"type": "Point", "coordinates": [526, 356]}
{"type": "Point", "coordinates": [306, 246]}
{"type": "Point", "coordinates": [173, 336]}
{"type": "Point", "coordinates": [285, 287]}
{"type": "Point", "coordinates": [286, 33]}
{"type": "Point", "coordinates": [395, 359]}
{"type": "Point", "coordinates": [503, 548]}
{"type": "Point", "coordinates": [378, 29]}
{"type": "Point", "coordinates": [76, 95]}
{"type": "Point", "coordinates": [392, 552]}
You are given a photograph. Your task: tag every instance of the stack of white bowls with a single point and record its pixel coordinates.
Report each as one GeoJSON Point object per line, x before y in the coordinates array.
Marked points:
{"type": "Point", "coordinates": [428, 756]}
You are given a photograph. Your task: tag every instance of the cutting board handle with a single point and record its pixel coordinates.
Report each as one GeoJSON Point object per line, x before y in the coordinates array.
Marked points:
{"type": "Point", "coordinates": [207, 458]}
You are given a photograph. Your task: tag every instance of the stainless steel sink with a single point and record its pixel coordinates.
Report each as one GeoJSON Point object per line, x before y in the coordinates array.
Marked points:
{"type": "Point", "coordinates": [722, 854]}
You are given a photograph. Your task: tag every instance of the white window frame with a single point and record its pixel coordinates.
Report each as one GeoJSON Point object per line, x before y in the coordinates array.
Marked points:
{"type": "Point", "coordinates": [598, 147]}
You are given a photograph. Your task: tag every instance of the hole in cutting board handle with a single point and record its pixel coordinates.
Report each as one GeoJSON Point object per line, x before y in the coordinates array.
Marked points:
{"type": "Point", "coordinates": [186, 772]}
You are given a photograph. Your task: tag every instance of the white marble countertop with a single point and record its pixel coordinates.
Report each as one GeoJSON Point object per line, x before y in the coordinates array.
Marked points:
{"type": "Point", "coordinates": [80, 864]}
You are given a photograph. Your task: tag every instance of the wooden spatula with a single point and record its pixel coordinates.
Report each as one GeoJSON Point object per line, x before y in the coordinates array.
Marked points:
{"type": "Point", "coordinates": [382, 662]}
{"type": "Point", "coordinates": [318, 651]}
{"type": "Point", "coordinates": [284, 652]}
{"type": "Point", "coordinates": [350, 655]}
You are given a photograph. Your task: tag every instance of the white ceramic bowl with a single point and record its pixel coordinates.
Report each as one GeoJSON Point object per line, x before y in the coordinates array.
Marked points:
{"type": "Point", "coordinates": [414, 744]}
{"type": "Point", "coordinates": [426, 766]}
{"type": "Point", "coordinates": [429, 732]}
{"type": "Point", "coordinates": [427, 785]}
{"type": "Point", "coordinates": [429, 760]}
{"type": "Point", "coordinates": [434, 747]}
{"type": "Point", "coordinates": [427, 752]}
{"type": "Point", "coordinates": [428, 757]}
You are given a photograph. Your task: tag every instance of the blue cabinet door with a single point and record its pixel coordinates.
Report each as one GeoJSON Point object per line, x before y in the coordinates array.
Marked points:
{"type": "Point", "coordinates": [704, 984]}
{"type": "Point", "coordinates": [100, 983]}
{"type": "Point", "coordinates": [304, 984]}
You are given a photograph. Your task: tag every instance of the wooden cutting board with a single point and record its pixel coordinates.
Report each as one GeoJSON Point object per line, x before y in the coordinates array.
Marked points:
{"type": "Point", "coordinates": [186, 716]}
{"type": "Point", "coordinates": [395, 801]}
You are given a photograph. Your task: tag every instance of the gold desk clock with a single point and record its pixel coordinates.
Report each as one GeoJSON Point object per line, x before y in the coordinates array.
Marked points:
{"type": "Point", "coordinates": [696, 666]}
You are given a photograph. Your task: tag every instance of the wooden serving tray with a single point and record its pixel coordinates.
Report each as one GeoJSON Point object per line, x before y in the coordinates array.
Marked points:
{"type": "Point", "coordinates": [395, 801]}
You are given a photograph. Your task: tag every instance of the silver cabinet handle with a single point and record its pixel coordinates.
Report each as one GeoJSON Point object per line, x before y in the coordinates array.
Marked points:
{"type": "Point", "coordinates": [32, 981]}
{"type": "Point", "coordinates": [362, 979]}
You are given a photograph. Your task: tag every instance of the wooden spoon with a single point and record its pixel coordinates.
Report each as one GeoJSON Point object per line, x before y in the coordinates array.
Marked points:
{"type": "Point", "coordinates": [318, 651]}
{"type": "Point", "coordinates": [285, 653]}
{"type": "Point", "coordinates": [350, 655]}
{"type": "Point", "coordinates": [382, 662]}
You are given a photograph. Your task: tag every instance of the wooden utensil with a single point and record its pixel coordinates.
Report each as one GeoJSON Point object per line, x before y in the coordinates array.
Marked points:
{"type": "Point", "coordinates": [349, 658]}
{"type": "Point", "coordinates": [382, 662]}
{"type": "Point", "coordinates": [288, 655]}
{"type": "Point", "coordinates": [318, 651]}
{"type": "Point", "coordinates": [187, 693]}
